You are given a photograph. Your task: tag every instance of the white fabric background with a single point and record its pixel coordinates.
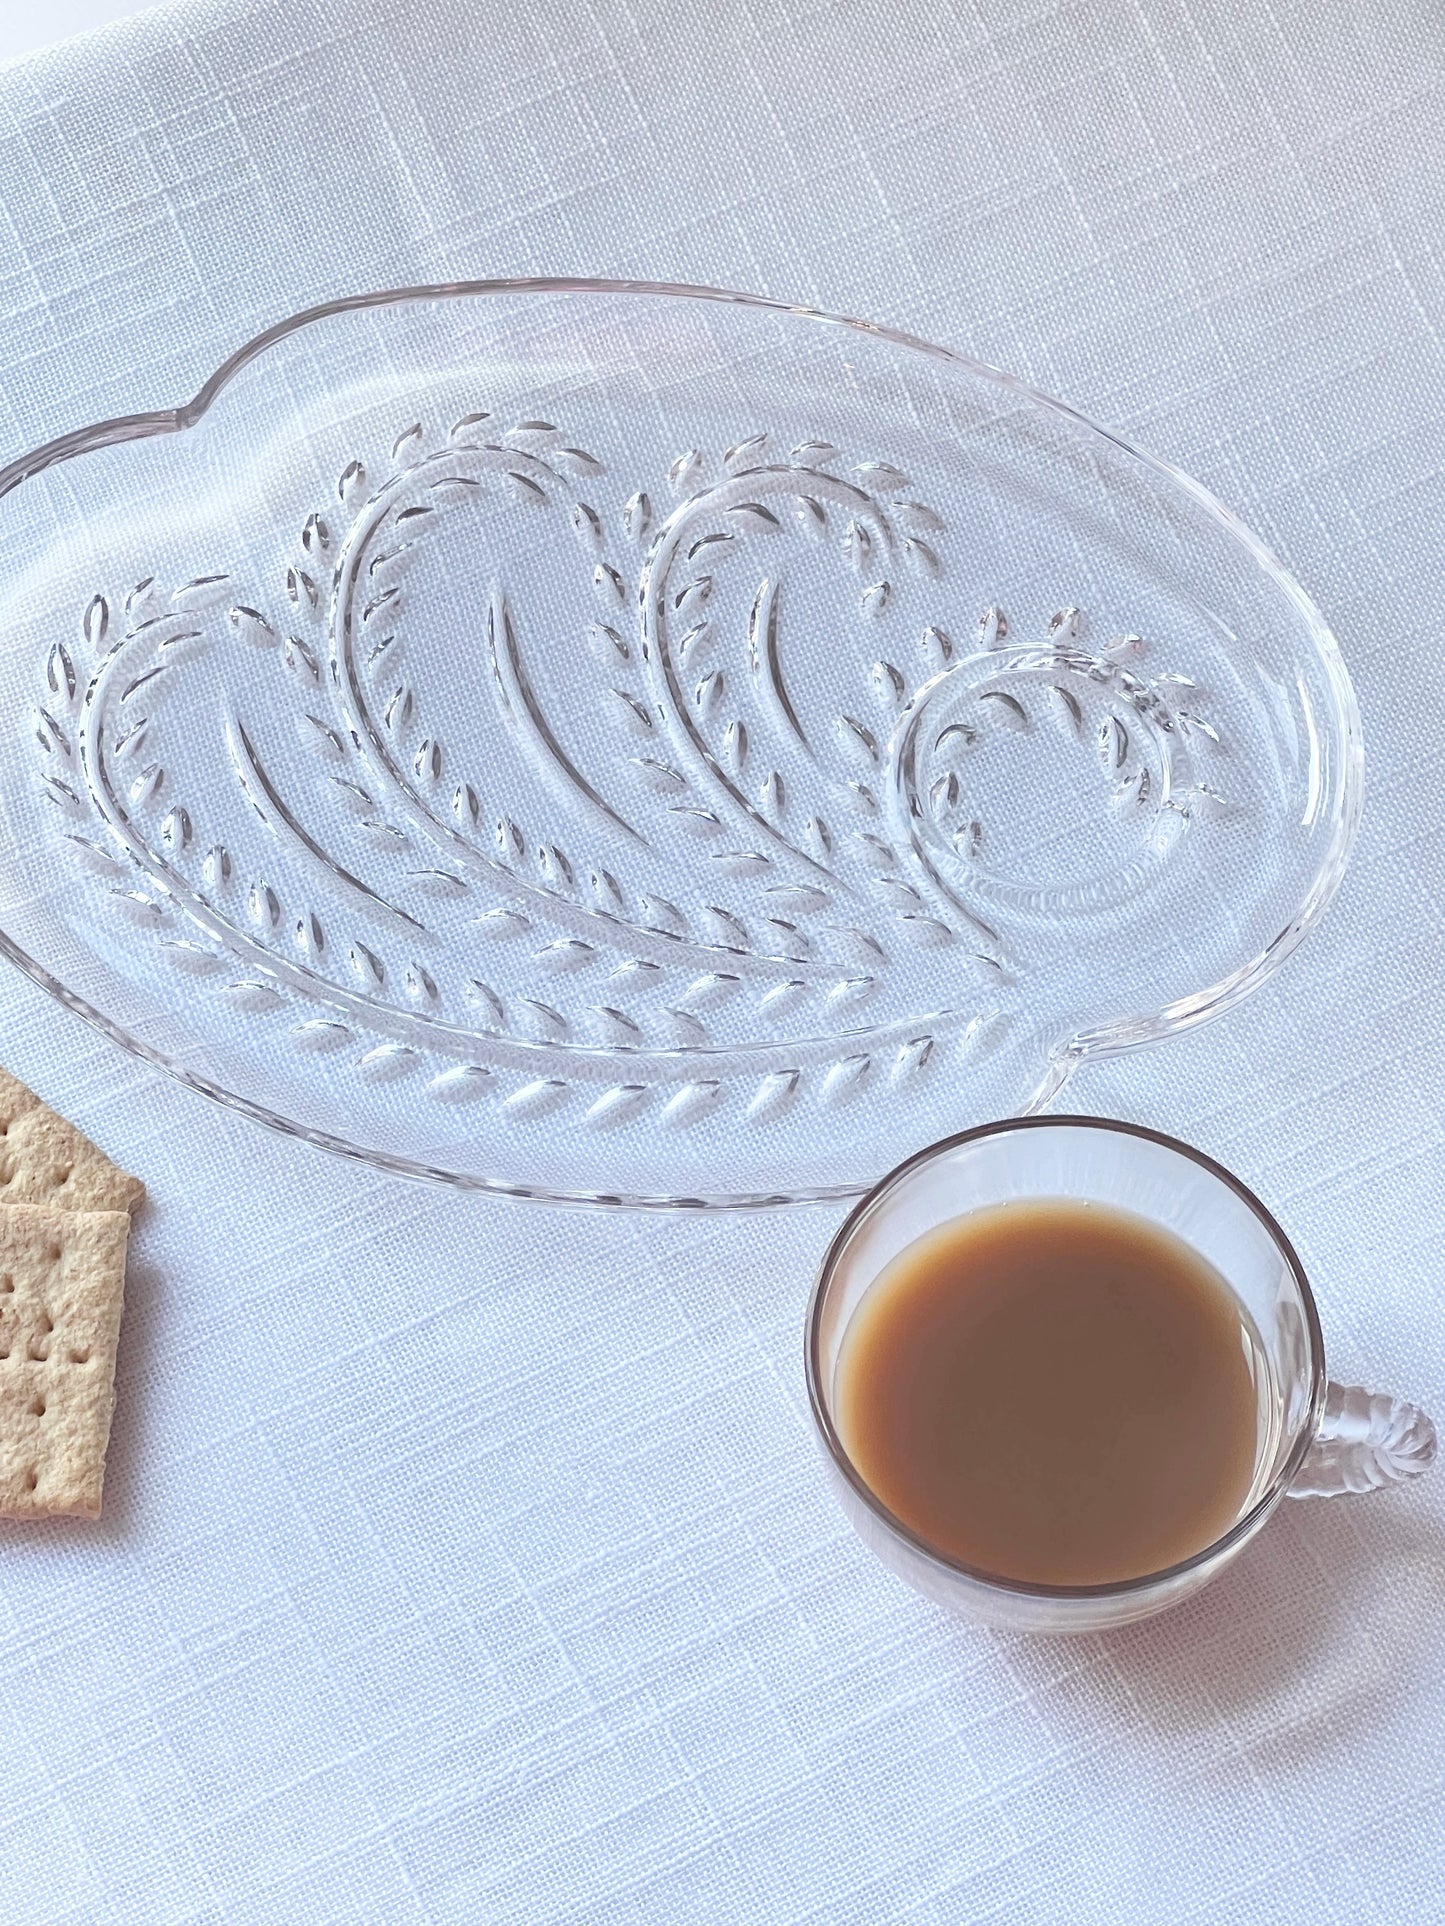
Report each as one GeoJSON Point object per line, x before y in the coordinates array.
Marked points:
{"type": "Point", "coordinates": [26, 25]}
{"type": "Point", "coordinates": [465, 1562]}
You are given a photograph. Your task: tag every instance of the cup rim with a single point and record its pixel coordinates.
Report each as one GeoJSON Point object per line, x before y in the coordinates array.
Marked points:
{"type": "Point", "coordinates": [1242, 1528]}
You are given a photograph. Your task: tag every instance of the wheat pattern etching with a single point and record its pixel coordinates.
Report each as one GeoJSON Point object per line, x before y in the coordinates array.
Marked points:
{"type": "Point", "coordinates": [710, 881]}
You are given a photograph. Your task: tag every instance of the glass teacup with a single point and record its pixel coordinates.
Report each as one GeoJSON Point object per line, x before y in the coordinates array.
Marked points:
{"type": "Point", "coordinates": [1314, 1438]}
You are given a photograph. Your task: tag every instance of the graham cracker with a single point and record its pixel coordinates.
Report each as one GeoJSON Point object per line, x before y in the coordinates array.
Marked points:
{"type": "Point", "coordinates": [46, 1160]}
{"type": "Point", "coordinates": [62, 1284]}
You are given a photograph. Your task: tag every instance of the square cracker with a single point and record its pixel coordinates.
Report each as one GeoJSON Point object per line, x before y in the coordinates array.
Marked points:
{"type": "Point", "coordinates": [62, 1282]}
{"type": "Point", "coordinates": [45, 1160]}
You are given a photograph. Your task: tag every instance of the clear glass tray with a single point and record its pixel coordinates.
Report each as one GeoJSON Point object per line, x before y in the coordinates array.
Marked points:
{"type": "Point", "coordinates": [645, 744]}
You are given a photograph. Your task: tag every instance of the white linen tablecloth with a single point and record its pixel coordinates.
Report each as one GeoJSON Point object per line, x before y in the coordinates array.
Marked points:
{"type": "Point", "coordinates": [29, 25]}
{"type": "Point", "coordinates": [469, 1562]}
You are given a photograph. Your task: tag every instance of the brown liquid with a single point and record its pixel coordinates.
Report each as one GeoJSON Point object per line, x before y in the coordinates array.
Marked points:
{"type": "Point", "coordinates": [1058, 1392]}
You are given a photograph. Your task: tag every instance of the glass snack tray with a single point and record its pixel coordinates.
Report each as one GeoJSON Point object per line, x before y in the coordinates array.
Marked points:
{"type": "Point", "coordinates": [641, 744]}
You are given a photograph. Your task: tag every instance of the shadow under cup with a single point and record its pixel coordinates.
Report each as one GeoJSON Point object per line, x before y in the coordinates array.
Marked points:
{"type": "Point", "coordinates": [1168, 1184]}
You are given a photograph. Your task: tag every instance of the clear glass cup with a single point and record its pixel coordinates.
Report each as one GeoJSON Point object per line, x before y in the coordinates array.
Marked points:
{"type": "Point", "coordinates": [1315, 1438]}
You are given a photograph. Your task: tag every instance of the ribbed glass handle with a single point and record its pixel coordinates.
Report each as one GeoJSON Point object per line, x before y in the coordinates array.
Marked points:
{"type": "Point", "coordinates": [1366, 1439]}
